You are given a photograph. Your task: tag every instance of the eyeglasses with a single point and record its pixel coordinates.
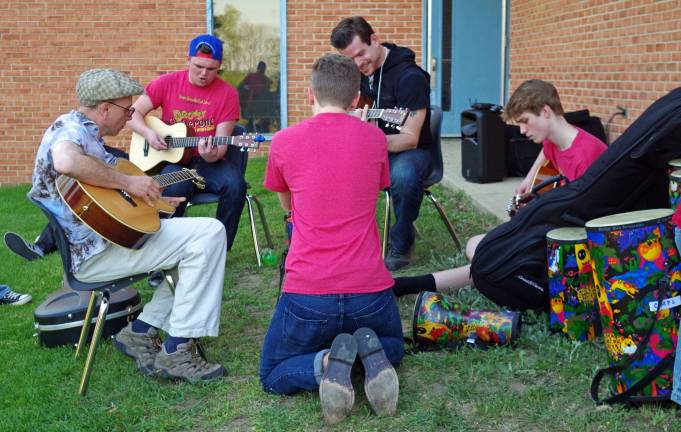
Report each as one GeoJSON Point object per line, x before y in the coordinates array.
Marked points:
{"type": "Point", "coordinates": [130, 111]}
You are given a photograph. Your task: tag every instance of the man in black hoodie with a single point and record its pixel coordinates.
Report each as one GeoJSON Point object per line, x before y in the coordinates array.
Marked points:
{"type": "Point", "coordinates": [391, 78]}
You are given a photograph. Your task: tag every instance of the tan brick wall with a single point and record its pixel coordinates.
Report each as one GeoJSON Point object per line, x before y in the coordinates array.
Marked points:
{"type": "Point", "coordinates": [599, 54]}
{"type": "Point", "coordinates": [46, 44]}
{"type": "Point", "coordinates": [309, 27]}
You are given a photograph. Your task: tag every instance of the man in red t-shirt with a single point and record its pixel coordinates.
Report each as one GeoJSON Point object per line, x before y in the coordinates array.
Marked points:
{"type": "Point", "coordinates": [209, 106]}
{"type": "Point", "coordinates": [328, 171]}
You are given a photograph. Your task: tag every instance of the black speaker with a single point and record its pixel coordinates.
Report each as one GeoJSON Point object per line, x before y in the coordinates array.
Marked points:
{"type": "Point", "coordinates": [520, 152]}
{"type": "Point", "coordinates": [482, 145]}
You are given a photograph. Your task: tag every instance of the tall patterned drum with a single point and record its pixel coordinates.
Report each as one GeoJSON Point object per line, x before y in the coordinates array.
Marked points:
{"type": "Point", "coordinates": [674, 189]}
{"type": "Point", "coordinates": [630, 253]}
{"type": "Point", "coordinates": [572, 295]}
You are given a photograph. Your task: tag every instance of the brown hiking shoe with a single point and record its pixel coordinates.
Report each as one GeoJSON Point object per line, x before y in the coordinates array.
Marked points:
{"type": "Point", "coordinates": [142, 347]}
{"type": "Point", "coordinates": [186, 363]}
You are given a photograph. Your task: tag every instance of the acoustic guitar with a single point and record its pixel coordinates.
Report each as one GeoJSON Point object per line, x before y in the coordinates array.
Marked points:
{"type": "Point", "coordinates": [545, 179]}
{"type": "Point", "coordinates": [175, 136]}
{"type": "Point", "coordinates": [116, 215]}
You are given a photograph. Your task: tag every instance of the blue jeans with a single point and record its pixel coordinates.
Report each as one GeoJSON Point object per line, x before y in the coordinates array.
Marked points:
{"type": "Point", "coordinates": [4, 289]}
{"type": "Point", "coordinates": [222, 178]}
{"type": "Point", "coordinates": [408, 171]}
{"type": "Point", "coordinates": [676, 386]}
{"type": "Point", "coordinates": [303, 325]}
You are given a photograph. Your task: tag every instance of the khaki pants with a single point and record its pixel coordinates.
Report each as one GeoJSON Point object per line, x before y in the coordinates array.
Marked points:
{"type": "Point", "coordinates": [193, 247]}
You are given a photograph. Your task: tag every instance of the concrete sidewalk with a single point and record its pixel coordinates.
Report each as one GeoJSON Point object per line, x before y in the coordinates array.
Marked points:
{"type": "Point", "coordinates": [491, 197]}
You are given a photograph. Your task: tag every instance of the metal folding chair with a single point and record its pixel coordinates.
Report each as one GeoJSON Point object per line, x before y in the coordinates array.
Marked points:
{"type": "Point", "coordinates": [434, 178]}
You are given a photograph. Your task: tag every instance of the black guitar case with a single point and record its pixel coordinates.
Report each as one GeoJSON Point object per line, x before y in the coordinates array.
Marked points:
{"type": "Point", "coordinates": [509, 265]}
{"type": "Point", "coordinates": [59, 319]}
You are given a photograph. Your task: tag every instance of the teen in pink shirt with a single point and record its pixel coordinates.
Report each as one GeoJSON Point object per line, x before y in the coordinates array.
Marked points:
{"type": "Point", "coordinates": [329, 171]}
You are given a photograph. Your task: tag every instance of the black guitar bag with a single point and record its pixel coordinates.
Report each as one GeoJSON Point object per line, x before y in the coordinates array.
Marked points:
{"type": "Point", "coordinates": [509, 265]}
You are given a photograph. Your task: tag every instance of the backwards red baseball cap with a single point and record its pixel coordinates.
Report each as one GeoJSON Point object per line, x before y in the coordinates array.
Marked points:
{"type": "Point", "coordinates": [211, 42]}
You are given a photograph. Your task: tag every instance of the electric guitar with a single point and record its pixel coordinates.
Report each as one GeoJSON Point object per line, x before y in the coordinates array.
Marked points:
{"type": "Point", "coordinates": [175, 136]}
{"type": "Point", "coordinates": [545, 179]}
{"type": "Point", "coordinates": [116, 215]}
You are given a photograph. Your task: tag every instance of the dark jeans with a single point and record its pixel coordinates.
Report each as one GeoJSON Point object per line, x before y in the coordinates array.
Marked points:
{"type": "Point", "coordinates": [222, 178]}
{"type": "Point", "coordinates": [303, 325]}
{"type": "Point", "coordinates": [408, 171]}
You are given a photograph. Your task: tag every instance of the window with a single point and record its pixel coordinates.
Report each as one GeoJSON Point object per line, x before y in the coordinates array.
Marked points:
{"type": "Point", "coordinates": [251, 32]}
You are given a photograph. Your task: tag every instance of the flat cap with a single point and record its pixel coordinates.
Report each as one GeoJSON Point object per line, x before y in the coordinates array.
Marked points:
{"type": "Point", "coordinates": [98, 85]}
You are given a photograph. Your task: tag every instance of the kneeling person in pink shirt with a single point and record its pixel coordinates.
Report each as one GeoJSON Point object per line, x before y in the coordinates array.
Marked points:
{"type": "Point", "coordinates": [337, 303]}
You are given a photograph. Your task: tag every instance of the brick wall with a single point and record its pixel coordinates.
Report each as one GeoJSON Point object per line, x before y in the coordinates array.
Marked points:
{"type": "Point", "coordinates": [47, 44]}
{"type": "Point", "coordinates": [309, 27]}
{"type": "Point", "coordinates": [599, 54]}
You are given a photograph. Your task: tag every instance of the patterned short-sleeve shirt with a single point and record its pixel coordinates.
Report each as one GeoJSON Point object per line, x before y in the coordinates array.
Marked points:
{"type": "Point", "coordinates": [78, 129]}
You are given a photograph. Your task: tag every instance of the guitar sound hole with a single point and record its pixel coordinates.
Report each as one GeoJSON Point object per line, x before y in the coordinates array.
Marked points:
{"type": "Point", "coordinates": [126, 196]}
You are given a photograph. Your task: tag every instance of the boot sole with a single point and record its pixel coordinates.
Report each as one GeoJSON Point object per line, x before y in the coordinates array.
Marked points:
{"type": "Point", "coordinates": [18, 246]}
{"type": "Point", "coordinates": [336, 394]}
{"type": "Point", "coordinates": [381, 384]}
{"type": "Point", "coordinates": [163, 373]}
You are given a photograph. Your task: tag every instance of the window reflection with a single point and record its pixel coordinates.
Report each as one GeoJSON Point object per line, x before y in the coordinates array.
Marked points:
{"type": "Point", "coordinates": [251, 33]}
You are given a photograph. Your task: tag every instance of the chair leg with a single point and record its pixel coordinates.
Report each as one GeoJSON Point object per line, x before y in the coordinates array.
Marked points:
{"type": "Point", "coordinates": [444, 218]}
{"type": "Point", "coordinates": [96, 335]}
{"type": "Point", "coordinates": [86, 323]}
{"type": "Point", "coordinates": [254, 233]}
{"type": "Point", "coordinates": [168, 276]}
{"type": "Point", "coordinates": [386, 224]}
{"type": "Point", "coordinates": [263, 221]}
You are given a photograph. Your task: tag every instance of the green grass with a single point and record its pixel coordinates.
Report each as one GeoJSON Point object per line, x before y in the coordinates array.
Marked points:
{"type": "Point", "coordinates": [541, 384]}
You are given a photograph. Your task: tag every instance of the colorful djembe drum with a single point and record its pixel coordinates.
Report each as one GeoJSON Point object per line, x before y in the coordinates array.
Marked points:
{"type": "Point", "coordinates": [572, 294]}
{"type": "Point", "coordinates": [440, 322]}
{"type": "Point", "coordinates": [630, 253]}
{"type": "Point", "coordinates": [674, 188]}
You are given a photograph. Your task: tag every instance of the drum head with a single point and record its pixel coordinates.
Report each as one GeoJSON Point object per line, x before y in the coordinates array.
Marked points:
{"type": "Point", "coordinates": [676, 175]}
{"type": "Point", "coordinates": [629, 220]}
{"type": "Point", "coordinates": [675, 163]}
{"type": "Point", "coordinates": [569, 234]}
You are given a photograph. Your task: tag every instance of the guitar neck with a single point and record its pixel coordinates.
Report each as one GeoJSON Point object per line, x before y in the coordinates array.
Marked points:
{"type": "Point", "coordinates": [394, 116]}
{"type": "Point", "coordinates": [373, 113]}
{"type": "Point", "coordinates": [174, 177]}
{"type": "Point", "coordinates": [185, 142]}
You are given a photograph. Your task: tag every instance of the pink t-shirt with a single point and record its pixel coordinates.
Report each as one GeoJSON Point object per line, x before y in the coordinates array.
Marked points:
{"type": "Point", "coordinates": [200, 108]}
{"type": "Point", "coordinates": [334, 165]}
{"type": "Point", "coordinates": [572, 162]}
